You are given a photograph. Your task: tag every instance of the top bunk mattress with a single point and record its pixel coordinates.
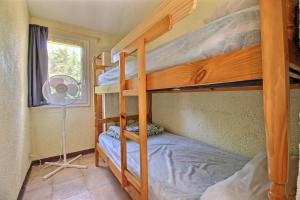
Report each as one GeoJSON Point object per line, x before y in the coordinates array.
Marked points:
{"type": "Point", "coordinates": [179, 168]}
{"type": "Point", "coordinates": [232, 32]}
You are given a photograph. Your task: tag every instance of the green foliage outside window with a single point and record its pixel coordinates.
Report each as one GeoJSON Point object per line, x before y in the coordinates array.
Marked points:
{"type": "Point", "coordinates": [65, 59]}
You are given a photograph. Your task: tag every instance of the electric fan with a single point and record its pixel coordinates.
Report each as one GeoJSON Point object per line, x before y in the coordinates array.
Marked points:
{"type": "Point", "coordinates": [62, 90]}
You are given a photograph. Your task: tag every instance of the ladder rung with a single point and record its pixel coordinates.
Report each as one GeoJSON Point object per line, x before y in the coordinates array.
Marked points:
{"type": "Point", "coordinates": [133, 92]}
{"type": "Point", "coordinates": [132, 136]}
{"type": "Point", "coordinates": [133, 180]}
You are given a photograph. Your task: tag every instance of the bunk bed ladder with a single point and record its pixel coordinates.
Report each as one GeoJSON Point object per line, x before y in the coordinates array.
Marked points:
{"type": "Point", "coordinates": [127, 177]}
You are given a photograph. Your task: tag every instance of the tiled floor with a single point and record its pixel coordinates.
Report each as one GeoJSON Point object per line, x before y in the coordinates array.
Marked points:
{"type": "Point", "coordinates": [74, 184]}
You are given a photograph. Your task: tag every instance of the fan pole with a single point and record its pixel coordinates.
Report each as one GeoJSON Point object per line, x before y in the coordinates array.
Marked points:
{"type": "Point", "coordinates": [64, 134]}
{"type": "Point", "coordinates": [65, 163]}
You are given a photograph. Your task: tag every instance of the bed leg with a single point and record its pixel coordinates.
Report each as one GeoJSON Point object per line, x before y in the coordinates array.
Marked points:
{"type": "Point", "coordinates": [275, 60]}
{"type": "Point", "coordinates": [98, 125]}
{"type": "Point", "coordinates": [96, 158]}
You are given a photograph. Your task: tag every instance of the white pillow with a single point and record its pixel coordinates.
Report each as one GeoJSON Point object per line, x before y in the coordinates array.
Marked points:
{"type": "Point", "coordinates": [228, 7]}
{"type": "Point", "coordinates": [251, 182]}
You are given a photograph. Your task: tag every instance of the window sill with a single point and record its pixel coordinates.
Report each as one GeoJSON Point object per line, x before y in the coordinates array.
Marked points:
{"type": "Point", "coordinates": [68, 106]}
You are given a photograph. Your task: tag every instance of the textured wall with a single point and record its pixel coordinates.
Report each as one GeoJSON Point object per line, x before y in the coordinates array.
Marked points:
{"type": "Point", "coordinates": [190, 23]}
{"type": "Point", "coordinates": [111, 108]}
{"type": "Point", "coordinates": [14, 114]}
{"type": "Point", "coordinates": [46, 122]}
{"type": "Point", "coordinates": [229, 120]}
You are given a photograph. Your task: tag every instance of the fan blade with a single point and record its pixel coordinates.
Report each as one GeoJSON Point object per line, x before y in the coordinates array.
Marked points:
{"type": "Point", "coordinates": [73, 90]}
{"type": "Point", "coordinates": [58, 98]}
{"type": "Point", "coordinates": [54, 81]}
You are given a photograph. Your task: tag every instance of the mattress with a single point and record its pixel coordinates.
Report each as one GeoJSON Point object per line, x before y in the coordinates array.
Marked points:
{"type": "Point", "coordinates": [232, 32]}
{"type": "Point", "coordinates": [179, 168]}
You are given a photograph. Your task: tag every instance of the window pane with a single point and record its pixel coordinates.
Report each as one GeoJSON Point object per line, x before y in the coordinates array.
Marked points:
{"type": "Point", "coordinates": [65, 59]}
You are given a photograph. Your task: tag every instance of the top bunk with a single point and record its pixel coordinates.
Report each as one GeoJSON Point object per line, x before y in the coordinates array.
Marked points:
{"type": "Point", "coordinates": [224, 53]}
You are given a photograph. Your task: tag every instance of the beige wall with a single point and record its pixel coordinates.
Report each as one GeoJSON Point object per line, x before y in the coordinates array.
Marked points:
{"type": "Point", "coordinates": [14, 116]}
{"type": "Point", "coordinates": [46, 122]}
{"type": "Point", "coordinates": [190, 23]}
{"type": "Point", "coordinates": [111, 108]}
{"type": "Point", "coordinates": [230, 120]}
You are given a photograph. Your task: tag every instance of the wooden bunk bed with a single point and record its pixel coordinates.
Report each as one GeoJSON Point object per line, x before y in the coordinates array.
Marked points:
{"type": "Point", "coordinates": [273, 62]}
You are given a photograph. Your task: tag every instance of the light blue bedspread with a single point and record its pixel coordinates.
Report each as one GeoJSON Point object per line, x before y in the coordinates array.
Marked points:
{"type": "Point", "coordinates": [179, 168]}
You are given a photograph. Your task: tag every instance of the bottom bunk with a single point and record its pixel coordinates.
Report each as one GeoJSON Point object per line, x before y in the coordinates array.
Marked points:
{"type": "Point", "coordinates": [182, 168]}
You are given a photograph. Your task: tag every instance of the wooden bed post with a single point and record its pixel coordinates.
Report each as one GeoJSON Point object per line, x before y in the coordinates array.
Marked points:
{"type": "Point", "coordinates": [98, 124]}
{"type": "Point", "coordinates": [97, 108]}
{"type": "Point", "coordinates": [275, 62]}
{"type": "Point", "coordinates": [143, 118]}
{"type": "Point", "coordinates": [122, 110]}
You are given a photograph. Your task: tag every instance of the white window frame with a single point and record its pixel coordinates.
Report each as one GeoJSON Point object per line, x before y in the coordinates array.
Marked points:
{"type": "Point", "coordinates": [85, 97]}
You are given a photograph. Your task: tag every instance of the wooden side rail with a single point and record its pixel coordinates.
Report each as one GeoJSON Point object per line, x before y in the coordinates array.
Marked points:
{"type": "Point", "coordinates": [117, 119]}
{"type": "Point", "coordinates": [157, 30]}
{"type": "Point", "coordinates": [160, 21]}
{"type": "Point", "coordinates": [128, 118]}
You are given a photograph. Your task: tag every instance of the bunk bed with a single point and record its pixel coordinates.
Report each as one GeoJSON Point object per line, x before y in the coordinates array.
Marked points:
{"type": "Point", "coordinates": [273, 62]}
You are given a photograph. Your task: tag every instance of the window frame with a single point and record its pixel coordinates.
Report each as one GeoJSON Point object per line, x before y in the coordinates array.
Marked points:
{"type": "Point", "coordinates": [85, 100]}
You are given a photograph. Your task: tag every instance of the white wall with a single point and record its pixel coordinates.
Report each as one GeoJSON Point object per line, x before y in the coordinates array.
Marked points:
{"type": "Point", "coordinates": [14, 114]}
{"type": "Point", "coordinates": [46, 122]}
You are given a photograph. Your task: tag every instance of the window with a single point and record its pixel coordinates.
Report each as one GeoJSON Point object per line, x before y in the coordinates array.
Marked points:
{"type": "Point", "coordinates": [70, 57]}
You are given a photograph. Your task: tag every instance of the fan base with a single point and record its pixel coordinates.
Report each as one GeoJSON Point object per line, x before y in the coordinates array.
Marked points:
{"type": "Point", "coordinates": [61, 166]}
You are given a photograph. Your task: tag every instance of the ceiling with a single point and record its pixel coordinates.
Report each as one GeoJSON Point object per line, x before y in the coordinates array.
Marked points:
{"type": "Point", "coordinates": [111, 16]}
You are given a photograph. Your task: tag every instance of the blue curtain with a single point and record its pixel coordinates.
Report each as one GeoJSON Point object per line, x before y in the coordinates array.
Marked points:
{"type": "Point", "coordinates": [37, 64]}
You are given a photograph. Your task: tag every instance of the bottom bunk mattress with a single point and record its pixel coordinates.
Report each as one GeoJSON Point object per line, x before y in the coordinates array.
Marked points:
{"type": "Point", "coordinates": [179, 168]}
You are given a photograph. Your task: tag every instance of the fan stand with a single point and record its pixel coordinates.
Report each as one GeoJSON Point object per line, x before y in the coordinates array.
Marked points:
{"type": "Point", "coordinates": [65, 163]}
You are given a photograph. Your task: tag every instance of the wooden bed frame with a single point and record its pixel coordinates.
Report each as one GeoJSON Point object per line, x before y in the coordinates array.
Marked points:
{"type": "Point", "coordinates": [271, 62]}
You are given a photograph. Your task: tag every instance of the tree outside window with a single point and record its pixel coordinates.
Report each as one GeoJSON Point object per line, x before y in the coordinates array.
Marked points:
{"type": "Point", "coordinates": [65, 59]}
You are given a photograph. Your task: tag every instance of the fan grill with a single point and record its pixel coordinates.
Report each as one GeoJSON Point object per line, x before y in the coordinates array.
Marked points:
{"type": "Point", "coordinates": [61, 90]}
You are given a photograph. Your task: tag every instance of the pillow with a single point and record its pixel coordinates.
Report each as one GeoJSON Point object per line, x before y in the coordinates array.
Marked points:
{"type": "Point", "coordinates": [114, 131]}
{"type": "Point", "coordinates": [251, 182]}
{"type": "Point", "coordinates": [152, 129]}
{"type": "Point", "coordinates": [228, 7]}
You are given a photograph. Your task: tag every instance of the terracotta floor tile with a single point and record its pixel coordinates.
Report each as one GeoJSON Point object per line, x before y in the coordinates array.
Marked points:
{"type": "Point", "coordinates": [44, 193]}
{"type": "Point", "coordinates": [109, 192]}
{"type": "Point", "coordinates": [69, 189]}
{"type": "Point", "coordinates": [81, 196]}
{"type": "Point", "coordinates": [37, 182]}
{"type": "Point", "coordinates": [98, 179]}
{"type": "Point", "coordinates": [41, 170]}
{"type": "Point", "coordinates": [66, 174]}
{"type": "Point", "coordinates": [74, 184]}
{"type": "Point", "coordinates": [88, 159]}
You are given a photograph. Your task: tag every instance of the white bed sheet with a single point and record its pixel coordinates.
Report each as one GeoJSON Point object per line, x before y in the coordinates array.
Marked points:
{"type": "Point", "coordinates": [179, 168]}
{"type": "Point", "coordinates": [232, 32]}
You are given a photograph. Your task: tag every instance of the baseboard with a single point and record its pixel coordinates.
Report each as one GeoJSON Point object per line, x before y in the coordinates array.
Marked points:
{"type": "Point", "coordinates": [55, 158]}
{"type": "Point", "coordinates": [50, 159]}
